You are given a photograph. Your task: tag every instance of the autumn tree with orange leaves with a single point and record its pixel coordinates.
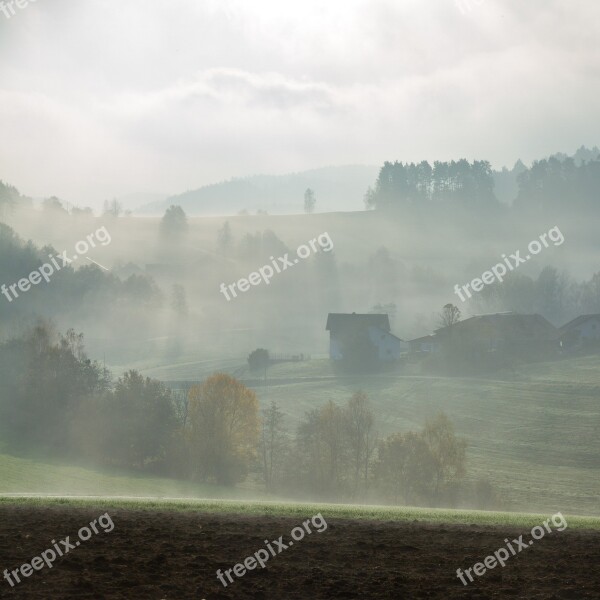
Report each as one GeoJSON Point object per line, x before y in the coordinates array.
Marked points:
{"type": "Point", "coordinates": [222, 429]}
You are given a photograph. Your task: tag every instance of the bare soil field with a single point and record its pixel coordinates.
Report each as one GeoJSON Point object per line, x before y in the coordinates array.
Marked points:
{"type": "Point", "coordinates": [175, 555]}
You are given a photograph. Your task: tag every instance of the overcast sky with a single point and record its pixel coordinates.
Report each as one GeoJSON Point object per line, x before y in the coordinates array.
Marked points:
{"type": "Point", "coordinates": [102, 98]}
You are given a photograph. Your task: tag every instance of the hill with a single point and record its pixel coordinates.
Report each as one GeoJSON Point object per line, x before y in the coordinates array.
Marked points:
{"type": "Point", "coordinates": [336, 188]}
{"type": "Point", "coordinates": [339, 188]}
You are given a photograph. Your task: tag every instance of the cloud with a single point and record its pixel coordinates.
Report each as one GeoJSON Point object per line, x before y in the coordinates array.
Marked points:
{"type": "Point", "coordinates": [100, 99]}
{"type": "Point", "coordinates": [267, 90]}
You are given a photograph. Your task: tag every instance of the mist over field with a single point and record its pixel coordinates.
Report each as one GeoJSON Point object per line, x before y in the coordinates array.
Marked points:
{"type": "Point", "coordinates": [342, 257]}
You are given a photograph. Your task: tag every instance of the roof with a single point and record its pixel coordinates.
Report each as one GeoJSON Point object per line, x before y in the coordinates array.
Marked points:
{"type": "Point", "coordinates": [343, 320]}
{"type": "Point", "coordinates": [578, 321]}
{"type": "Point", "coordinates": [425, 338]}
{"type": "Point", "coordinates": [392, 335]}
{"type": "Point", "coordinates": [395, 337]}
{"type": "Point", "coordinates": [534, 325]}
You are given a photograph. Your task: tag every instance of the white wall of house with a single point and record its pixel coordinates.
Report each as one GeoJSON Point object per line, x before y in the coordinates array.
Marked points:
{"type": "Point", "coordinates": [389, 347]}
{"type": "Point", "coordinates": [335, 349]}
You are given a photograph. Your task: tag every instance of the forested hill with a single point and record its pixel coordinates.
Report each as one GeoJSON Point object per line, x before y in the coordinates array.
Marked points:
{"type": "Point", "coordinates": [343, 188]}
{"type": "Point", "coordinates": [556, 185]}
{"type": "Point", "coordinates": [546, 184]}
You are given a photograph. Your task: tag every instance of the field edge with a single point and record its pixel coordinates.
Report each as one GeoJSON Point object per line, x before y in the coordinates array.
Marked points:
{"type": "Point", "coordinates": [285, 509]}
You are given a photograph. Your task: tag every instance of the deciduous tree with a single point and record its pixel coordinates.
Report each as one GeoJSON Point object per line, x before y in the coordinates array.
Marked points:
{"type": "Point", "coordinates": [447, 450]}
{"type": "Point", "coordinates": [274, 445]}
{"type": "Point", "coordinates": [174, 222]}
{"type": "Point", "coordinates": [222, 429]}
{"type": "Point", "coordinates": [359, 423]}
{"type": "Point", "coordinates": [309, 201]}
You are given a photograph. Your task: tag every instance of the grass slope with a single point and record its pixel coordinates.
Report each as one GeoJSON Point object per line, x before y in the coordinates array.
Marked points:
{"type": "Point", "coordinates": [301, 510]}
{"type": "Point", "coordinates": [30, 476]}
{"type": "Point", "coordinates": [537, 438]}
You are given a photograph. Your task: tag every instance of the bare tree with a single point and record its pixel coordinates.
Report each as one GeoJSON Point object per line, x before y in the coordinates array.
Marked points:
{"type": "Point", "coordinates": [359, 422]}
{"type": "Point", "coordinates": [273, 444]}
{"type": "Point", "coordinates": [334, 441]}
{"type": "Point", "coordinates": [449, 316]}
{"type": "Point", "coordinates": [113, 208]}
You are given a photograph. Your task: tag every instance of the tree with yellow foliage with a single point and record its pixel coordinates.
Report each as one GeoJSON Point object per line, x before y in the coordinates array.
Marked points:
{"type": "Point", "coordinates": [223, 429]}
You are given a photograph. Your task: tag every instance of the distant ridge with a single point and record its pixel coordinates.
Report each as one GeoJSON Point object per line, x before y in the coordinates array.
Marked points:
{"type": "Point", "coordinates": [340, 188]}
{"type": "Point", "coordinates": [336, 188]}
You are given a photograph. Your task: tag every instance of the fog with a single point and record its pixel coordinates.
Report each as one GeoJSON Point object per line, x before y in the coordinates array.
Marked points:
{"type": "Point", "coordinates": [150, 99]}
{"type": "Point", "coordinates": [270, 252]}
{"type": "Point", "coordinates": [412, 261]}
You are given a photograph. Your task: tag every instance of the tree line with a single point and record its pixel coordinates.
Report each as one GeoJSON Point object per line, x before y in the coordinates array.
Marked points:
{"type": "Point", "coordinates": [19, 258]}
{"type": "Point", "coordinates": [550, 186]}
{"type": "Point", "coordinates": [337, 454]}
{"type": "Point", "coordinates": [55, 400]}
{"type": "Point", "coordinates": [553, 293]}
{"type": "Point", "coordinates": [411, 184]}
{"type": "Point", "coordinates": [554, 185]}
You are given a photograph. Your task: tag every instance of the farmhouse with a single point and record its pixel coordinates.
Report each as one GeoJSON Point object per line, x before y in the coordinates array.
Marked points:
{"type": "Point", "coordinates": [499, 331]}
{"type": "Point", "coordinates": [502, 330]}
{"type": "Point", "coordinates": [353, 334]}
{"type": "Point", "coordinates": [427, 343]}
{"type": "Point", "coordinates": [582, 331]}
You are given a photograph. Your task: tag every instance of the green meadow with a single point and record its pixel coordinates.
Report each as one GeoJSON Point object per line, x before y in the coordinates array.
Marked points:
{"type": "Point", "coordinates": [536, 438]}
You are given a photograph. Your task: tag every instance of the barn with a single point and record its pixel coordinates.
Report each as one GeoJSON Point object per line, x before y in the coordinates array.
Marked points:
{"type": "Point", "coordinates": [582, 331]}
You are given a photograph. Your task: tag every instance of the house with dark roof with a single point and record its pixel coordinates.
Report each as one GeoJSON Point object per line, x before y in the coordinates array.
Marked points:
{"type": "Point", "coordinates": [352, 334]}
{"type": "Point", "coordinates": [427, 343]}
{"type": "Point", "coordinates": [499, 331]}
{"type": "Point", "coordinates": [584, 330]}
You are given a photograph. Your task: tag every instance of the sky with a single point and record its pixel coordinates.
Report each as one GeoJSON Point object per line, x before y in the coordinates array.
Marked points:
{"type": "Point", "coordinates": [103, 99]}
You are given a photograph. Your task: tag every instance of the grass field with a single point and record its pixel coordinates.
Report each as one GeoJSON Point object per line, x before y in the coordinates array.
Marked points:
{"type": "Point", "coordinates": [300, 510]}
{"type": "Point", "coordinates": [37, 476]}
{"type": "Point", "coordinates": [535, 437]}
{"type": "Point", "coordinates": [537, 441]}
